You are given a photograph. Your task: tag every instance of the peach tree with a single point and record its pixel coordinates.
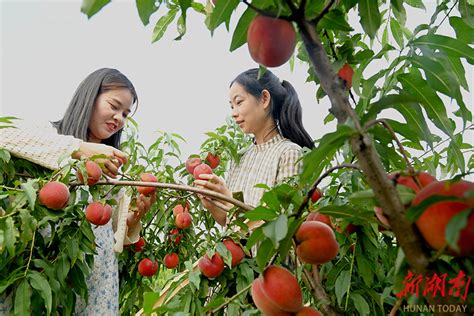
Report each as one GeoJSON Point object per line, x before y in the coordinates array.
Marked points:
{"type": "Point", "coordinates": [365, 162]}
{"type": "Point", "coordinates": [371, 161]}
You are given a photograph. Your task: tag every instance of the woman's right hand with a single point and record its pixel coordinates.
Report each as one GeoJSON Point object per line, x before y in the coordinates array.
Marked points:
{"type": "Point", "coordinates": [110, 165]}
{"type": "Point", "coordinates": [216, 184]}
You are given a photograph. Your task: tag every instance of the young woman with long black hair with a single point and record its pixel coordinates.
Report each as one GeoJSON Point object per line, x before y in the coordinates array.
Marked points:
{"type": "Point", "coordinates": [92, 125]}
{"type": "Point", "coordinates": [271, 111]}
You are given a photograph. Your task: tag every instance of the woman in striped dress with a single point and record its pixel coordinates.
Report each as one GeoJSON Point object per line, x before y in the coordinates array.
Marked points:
{"type": "Point", "coordinates": [271, 111]}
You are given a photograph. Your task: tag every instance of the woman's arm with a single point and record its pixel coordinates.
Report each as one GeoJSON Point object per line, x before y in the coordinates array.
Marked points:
{"type": "Point", "coordinates": [41, 144]}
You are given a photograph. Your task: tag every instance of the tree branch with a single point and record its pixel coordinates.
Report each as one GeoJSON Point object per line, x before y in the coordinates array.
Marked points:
{"type": "Point", "coordinates": [177, 187]}
{"type": "Point", "coordinates": [407, 235]}
{"type": "Point", "coordinates": [326, 308]}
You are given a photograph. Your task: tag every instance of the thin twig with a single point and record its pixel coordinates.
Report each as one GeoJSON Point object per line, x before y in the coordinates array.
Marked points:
{"type": "Point", "coordinates": [394, 136]}
{"type": "Point", "coordinates": [31, 252]}
{"type": "Point", "coordinates": [293, 8]}
{"type": "Point", "coordinates": [316, 183]}
{"type": "Point", "coordinates": [265, 13]}
{"type": "Point", "coordinates": [323, 13]}
{"type": "Point", "coordinates": [227, 301]}
{"type": "Point", "coordinates": [395, 308]}
{"type": "Point", "coordinates": [444, 141]}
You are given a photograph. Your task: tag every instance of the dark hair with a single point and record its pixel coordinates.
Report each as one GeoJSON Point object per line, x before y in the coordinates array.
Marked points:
{"type": "Point", "coordinates": [76, 119]}
{"type": "Point", "coordinates": [285, 105]}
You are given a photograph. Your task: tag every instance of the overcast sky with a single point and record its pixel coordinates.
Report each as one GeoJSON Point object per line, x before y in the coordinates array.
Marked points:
{"type": "Point", "coordinates": [48, 47]}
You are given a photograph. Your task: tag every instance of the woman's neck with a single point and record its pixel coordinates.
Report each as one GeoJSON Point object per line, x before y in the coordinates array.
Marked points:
{"type": "Point", "coordinates": [266, 134]}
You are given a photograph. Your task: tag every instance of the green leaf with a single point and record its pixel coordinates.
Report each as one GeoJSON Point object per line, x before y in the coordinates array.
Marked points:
{"type": "Point", "coordinates": [30, 192]}
{"type": "Point", "coordinates": [276, 230]}
{"type": "Point", "coordinates": [181, 31]}
{"type": "Point", "coordinates": [438, 76]}
{"type": "Point", "coordinates": [357, 215]}
{"type": "Point", "coordinates": [91, 7]}
{"type": "Point", "coordinates": [463, 31]}
{"type": "Point", "coordinates": [369, 16]}
{"type": "Point", "coordinates": [335, 20]}
{"type": "Point", "coordinates": [256, 236]}
{"type": "Point", "coordinates": [342, 284]}
{"type": "Point", "coordinates": [454, 227]}
{"type": "Point", "coordinates": [451, 46]}
{"type": "Point", "coordinates": [467, 12]}
{"type": "Point", "coordinates": [265, 253]}
{"type": "Point", "coordinates": [239, 37]}
{"type": "Point", "coordinates": [145, 9]}
{"type": "Point", "coordinates": [62, 268]}
{"type": "Point", "coordinates": [5, 155]}
{"type": "Point", "coordinates": [23, 299]}
{"type": "Point", "coordinates": [431, 102]}
{"type": "Point", "coordinates": [416, 4]}
{"type": "Point", "coordinates": [11, 234]}
{"type": "Point", "coordinates": [365, 269]}
{"type": "Point", "coordinates": [28, 225]}
{"type": "Point", "coordinates": [149, 300]}
{"type": "Point", "coordinates": [328, 145]}
{"type": "Point", "coordinates": [397, 32]}
{"type": "Point", "coordinates": [39, 283]}
{"type": "Point", "coordinates": [222, 13]}
{"type": "Point", "coordinates": [162, 24]}
{"type": "Point", "coordinates": [360, 304]}
{"type": "Point", "coordinates": [261, 213]}
{"type": "Point", "coordinates": [458, 70]}
{"type": "Point", "coordinates": [287, 242]}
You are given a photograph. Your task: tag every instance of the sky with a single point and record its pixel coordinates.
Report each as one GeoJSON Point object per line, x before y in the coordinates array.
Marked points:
{"type": "Point", "coordinates": [49, 47]}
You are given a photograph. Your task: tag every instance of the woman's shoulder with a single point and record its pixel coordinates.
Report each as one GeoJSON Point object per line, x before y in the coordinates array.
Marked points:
{"type": "Point", "coordinates": [289, 146]}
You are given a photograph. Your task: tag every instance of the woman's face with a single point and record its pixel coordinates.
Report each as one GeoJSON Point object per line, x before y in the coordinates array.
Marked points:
{"type": "Point", "coordinates": [110, 112]}
{"type": "Point", "coordinates": [248, 112]}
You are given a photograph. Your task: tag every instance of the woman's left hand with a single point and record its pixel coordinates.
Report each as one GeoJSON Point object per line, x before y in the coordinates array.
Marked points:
{"type": "Point", "coordinates": [144, 204]}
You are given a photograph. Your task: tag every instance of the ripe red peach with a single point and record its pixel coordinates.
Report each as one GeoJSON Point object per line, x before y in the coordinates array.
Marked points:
{"type": "Point", "coordinates": [277, 292]}
{"type": "Point", "coordinates": [211, 267]}
{"type": "Point", "coordinates": [171, 260]}
{"type": "Point", "coordinates": [54, 195]}
{"type": "Point", "coordinates": [235, 250]}
{"type": "Point", "coordinates": [93, 173]}
{"type": "Point", "coordinates": [98, 214]}
{"type": "Point", "coordinates": [183, 220]}
{"type": "Point", "coordinates": [192, 163]}
{"type": "Point", "coordinates": [271, 41]}
{"type": "Point", "coordinates": [201, 169]}
{"type": "Point", "coordinates": [432, 223]}
{"type": "Point", "coordinates": [316, 243]}
{"type": "Point", "coordinates": [147, 177]}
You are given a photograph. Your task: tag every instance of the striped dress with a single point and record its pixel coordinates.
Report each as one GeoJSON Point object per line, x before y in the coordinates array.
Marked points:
{"type": "Point", "coordinates": [268, 163]}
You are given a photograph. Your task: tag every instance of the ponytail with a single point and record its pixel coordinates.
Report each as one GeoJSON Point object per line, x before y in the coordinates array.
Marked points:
{"type": "Point", "coordinates": [290, 118]}
{"type": "Point", "coordinates": [285, 106]}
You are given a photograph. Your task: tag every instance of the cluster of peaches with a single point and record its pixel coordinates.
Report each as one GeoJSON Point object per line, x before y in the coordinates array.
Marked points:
{"type": "Point", "coordinates": [55, 195]}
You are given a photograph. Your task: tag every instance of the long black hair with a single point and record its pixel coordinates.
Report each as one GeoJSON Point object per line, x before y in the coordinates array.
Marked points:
{"type": "Point", "coordinates": [285, 105]}
{"type": "Point", "coordinates": [75, 121]}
